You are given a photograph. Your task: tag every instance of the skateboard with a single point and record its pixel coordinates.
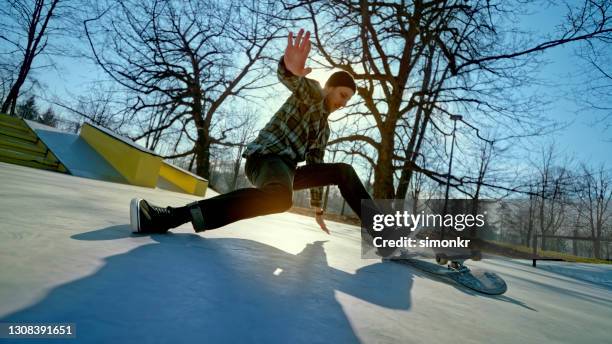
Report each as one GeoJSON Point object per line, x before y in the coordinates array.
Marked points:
{"type": "Point", "coordinates": [482, 281]}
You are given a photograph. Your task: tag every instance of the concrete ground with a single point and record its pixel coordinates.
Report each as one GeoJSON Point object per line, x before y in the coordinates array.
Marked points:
{"type": "Point", "coordinates": [67, 255]}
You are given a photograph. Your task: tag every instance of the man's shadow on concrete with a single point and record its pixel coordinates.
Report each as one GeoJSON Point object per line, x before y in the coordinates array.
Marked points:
{"type": "Point", "coordinates": [188, 288]}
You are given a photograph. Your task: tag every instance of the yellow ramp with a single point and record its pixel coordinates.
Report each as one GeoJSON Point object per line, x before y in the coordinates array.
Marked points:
{"type": "Point", "coordinates": [185, 180]}
{"type": "Point", "coordinates": [138, 165]}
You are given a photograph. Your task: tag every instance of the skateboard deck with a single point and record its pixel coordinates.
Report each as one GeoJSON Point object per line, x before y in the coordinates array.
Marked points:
{"type": "Point", "coordinates": [482, 281]}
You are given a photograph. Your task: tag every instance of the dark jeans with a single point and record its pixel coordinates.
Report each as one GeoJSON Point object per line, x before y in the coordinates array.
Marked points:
{"type": "Point", "coordinates": [274, 181]}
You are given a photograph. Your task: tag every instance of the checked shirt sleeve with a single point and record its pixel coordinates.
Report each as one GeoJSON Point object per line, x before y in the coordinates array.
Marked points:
{"type": "Point", "coordinates": [315, 156]}
{"type": "Point", "coordinates": [306, 90]}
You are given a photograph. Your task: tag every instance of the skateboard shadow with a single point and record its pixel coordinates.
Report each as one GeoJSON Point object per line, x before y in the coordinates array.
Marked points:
{"type": "Point", "coordinates": [187, 288]}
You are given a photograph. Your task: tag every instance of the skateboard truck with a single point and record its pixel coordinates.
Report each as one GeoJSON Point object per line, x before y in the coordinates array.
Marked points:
{"type": "Point", "coordinates": [457, 265]}
{"type": "Point", "coordinates": [443, 259]}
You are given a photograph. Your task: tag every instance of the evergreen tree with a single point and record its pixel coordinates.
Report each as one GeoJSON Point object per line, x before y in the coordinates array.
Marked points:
{"type": "Point", "coordinates": [49, 118]}
{"type": "Point", "coordinates": [28, 109]}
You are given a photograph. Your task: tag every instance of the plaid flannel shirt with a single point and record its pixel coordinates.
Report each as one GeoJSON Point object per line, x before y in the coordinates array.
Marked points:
{"type": "Point", "coordinates": [299, 130]}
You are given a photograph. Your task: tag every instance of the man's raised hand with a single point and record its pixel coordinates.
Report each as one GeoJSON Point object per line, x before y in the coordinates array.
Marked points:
{"type": "Point", "coordinates": [297, 53]}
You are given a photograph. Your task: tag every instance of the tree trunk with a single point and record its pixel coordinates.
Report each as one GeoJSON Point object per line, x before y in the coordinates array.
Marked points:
{"type": "Point", "coordinates": [236, 169]}
{"type": "Point", "coordinates": [575, 243]}
{"type": "Point", "coordinates": [530, 222]}
{"type": "Point", "coordinates": [203, 158]}
{"type": "Point", "coordinates": [411, 154]}
{"type": "Point", "coordinates": [34, 39]}
{"type": "Point", "coordinates": [11, 98]}
{"type": "Point", "coordinates": [474, 211]}
{"type": "Point", "coordinates": [383, 171]}
{"type": "Point", "coordinates": [597, 248]}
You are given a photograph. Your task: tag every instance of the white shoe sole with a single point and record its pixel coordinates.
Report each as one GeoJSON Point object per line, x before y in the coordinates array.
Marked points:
{"type": "Point", "coordinates": [135, 214]}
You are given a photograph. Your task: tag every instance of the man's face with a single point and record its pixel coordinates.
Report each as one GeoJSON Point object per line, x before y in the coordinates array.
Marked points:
{"type": "Point", "coordinates": [337, 97]}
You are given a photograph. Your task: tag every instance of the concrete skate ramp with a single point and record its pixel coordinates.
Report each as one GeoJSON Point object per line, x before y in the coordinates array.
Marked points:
{"type": "Point", "coordinates": [98, 153]}
{"type": "Point", "coordinates": [79, 158]}
{"type": "Point", "coordinates": [269, 279]}
{"type": "Point", "coordinates": [139, 165]}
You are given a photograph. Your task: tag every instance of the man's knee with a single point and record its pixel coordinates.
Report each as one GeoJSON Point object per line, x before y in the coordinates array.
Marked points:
{"type": "Point", "coordinates": [283, 200]}
{"type": "Point", "coordinates": [280, 197]}
{"type": "Point", "coordinates": [347, 172]}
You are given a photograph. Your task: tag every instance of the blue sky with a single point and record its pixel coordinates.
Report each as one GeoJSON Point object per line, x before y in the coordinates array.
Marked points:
{"type": "Point", "coordinates": [584, 138]}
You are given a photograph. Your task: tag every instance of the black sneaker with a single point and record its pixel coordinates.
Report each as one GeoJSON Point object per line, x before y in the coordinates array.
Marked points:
{"type": "Point", "coordinates": [147, 218]}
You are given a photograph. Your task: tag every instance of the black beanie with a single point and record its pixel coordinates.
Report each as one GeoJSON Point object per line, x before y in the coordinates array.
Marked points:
{"type": "Point", "coordinates": [341, 78]}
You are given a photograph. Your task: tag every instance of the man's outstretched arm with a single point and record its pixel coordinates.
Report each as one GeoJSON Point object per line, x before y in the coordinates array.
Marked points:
{"type": "Point", "coordinates": [292, 71]}
{"type": "Point", "coordinates": [297, 52]}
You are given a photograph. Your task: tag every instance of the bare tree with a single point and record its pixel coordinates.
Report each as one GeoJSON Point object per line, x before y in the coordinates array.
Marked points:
{"type": "Point", "coordinates": [6, 77]}
{"type": "Point", "coordinates": [418, 62]}
{"type": "Point", "coordinates": [596, 93]}
{"type": "Point", "coordinates": [595, 90]}
{"type": "Point", "coordinates": [594, 191]}
{"type": "Point", "coordinates": [245, 131]}
{"type": "Point", "coordinates": [553, 189]}
{"type": "Point", "coordinates": [25, 29]}
{"type": "Point", "coordinates": [185, 59]}
{"type": "Point", "coordinates": [484, 162]}
{"type": "Point", "coordinates": [99, 106]}
{"type": "Point", "coordinates": [530, 225]}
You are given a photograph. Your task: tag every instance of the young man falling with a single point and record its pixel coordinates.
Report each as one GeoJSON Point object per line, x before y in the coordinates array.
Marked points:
{"type": "Point", "coordinates": [298, 131]}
